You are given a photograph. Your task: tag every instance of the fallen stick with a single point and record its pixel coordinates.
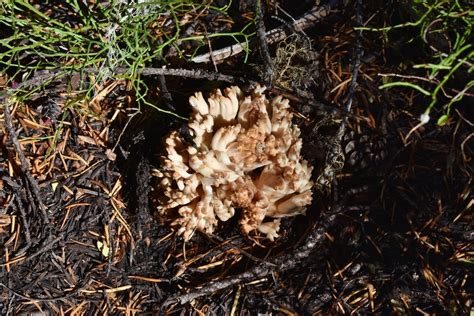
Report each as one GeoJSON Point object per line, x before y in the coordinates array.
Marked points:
{"type": "Point", "coordinates": [50, 75]}
{"type": "Point", "coordinates": [307, 20]}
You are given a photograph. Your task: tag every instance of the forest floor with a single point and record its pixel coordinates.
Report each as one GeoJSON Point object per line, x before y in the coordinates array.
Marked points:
{"type": "Point", "coordinates": [382, 92]}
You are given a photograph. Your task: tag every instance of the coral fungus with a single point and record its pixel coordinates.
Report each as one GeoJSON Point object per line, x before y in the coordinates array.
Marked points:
{"type": "Point", "coordinates": [245, 156]}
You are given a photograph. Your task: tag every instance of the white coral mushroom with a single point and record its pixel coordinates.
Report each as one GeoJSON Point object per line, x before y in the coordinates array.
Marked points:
{"type": "Point", "coordinates": [246, 155]}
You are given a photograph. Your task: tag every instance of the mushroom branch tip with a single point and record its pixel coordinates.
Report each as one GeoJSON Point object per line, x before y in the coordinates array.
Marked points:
{"type": "Point", "coordinates": [246, 156]}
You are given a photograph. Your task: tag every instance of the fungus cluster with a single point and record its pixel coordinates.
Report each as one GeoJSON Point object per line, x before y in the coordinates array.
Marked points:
{"type": "Point", "coordinates": [245, 156]}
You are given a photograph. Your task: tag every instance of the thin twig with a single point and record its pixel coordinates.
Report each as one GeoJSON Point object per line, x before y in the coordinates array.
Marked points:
{"type": "Point", "coordinates": [188, 32]}
{"type": "Point", "coordinates": [231, 244]}
{"type": "Point", "coordinates": [124, 129]}
{"type": "Point", "coordinates": [26, 227]}
{"type": "Point", "coordinates": [464, 156]}
{"type": "Point", "coordinates": [167, 98]}
{"type": "Point", "coordinates": [19, 206]}
{"type": "Point", "coordinates": [263, 46]}
{"type": "Point", "coordinates": [464, 119]}
{"type": "Point", "coordinates": [295, 96]}
{"type": "Point", "coordinates": [356, 58]}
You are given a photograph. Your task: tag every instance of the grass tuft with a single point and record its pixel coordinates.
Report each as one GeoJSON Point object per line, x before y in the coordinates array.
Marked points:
{"type": "Point", "coordinates": [74, 36]}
